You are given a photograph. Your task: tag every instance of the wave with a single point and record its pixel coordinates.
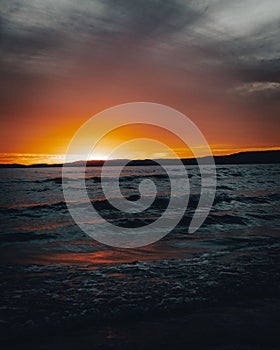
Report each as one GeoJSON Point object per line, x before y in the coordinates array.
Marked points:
{"type": "Point", "coordinates": [25, 236]}
{"type": "Point", "coordinates": [225, 219]}
{"type": "Point", "coordinates": [161, 200]}
{"type": "Point", "coordinates": [46, 206]}
{"type": "Point", "coordinates": [128, 178]}
{"type": "Point", "coordinates": [267, 198]}
{"type": "Point", "coordinates": [56, 180]}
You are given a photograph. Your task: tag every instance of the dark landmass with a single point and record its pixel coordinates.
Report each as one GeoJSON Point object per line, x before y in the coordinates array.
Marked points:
{"type": "Point", "coordinates": [256, 157]}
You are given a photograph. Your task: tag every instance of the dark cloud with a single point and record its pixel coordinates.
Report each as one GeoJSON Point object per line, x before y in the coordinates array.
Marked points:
{"type": "Point", "coordinates": [154, 17]}
{"type": "Point", "coordinates": [260, 70]}
{"type": "Point", "coordinates": [41, 33]}
{"type": "Point", "coordinates": [45, 33]}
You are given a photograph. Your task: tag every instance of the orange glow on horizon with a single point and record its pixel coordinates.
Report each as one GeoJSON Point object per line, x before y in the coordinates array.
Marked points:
{"type": "Point", "coordinates": [47, 138]}
{"type": "Point", "coordinates": [33, 158]}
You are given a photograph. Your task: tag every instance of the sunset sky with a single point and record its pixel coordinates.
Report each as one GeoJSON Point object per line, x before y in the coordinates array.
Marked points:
{"type": "Point", "coordinates": [63, 61]}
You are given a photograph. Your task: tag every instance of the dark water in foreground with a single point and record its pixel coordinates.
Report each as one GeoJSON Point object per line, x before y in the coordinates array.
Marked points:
{"type": "Point", "coordinates": [54, 278]}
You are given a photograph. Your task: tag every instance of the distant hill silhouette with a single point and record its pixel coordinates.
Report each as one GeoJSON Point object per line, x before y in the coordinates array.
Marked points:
{"type": "Point", "coordinates": [256, 157]}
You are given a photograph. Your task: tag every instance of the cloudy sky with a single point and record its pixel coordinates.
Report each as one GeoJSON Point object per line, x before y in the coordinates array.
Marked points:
{"type": "Point", "coordinates": [62, 61]}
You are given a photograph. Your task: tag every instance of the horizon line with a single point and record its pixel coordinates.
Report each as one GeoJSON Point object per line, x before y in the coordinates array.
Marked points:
{"type": "Point", "coordinates": [11, 158]}
{"type": "Point", "coordinates": [102, 161]}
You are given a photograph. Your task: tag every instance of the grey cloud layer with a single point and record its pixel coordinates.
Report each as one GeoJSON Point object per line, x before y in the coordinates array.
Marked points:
{"type": "Point", "coordinates": [51, 37]}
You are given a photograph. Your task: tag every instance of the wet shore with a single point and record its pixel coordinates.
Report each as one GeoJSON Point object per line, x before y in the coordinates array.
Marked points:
{"type": "Point", "coordinates": [226, 299]}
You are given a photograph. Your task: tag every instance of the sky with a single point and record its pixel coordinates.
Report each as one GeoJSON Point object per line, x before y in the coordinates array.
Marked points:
{"type": "Point", "coordinates": [61, 62]}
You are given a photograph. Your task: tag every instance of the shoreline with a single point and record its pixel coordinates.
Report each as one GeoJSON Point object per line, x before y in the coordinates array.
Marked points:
{"type": "Point", "coordinates": [45, 301]}
{"type": "Point", "coordinates": [238, 326]}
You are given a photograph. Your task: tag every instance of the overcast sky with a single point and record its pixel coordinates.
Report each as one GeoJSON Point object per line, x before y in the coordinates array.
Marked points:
{"type": "Point", "coordinates": [63, 60]}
